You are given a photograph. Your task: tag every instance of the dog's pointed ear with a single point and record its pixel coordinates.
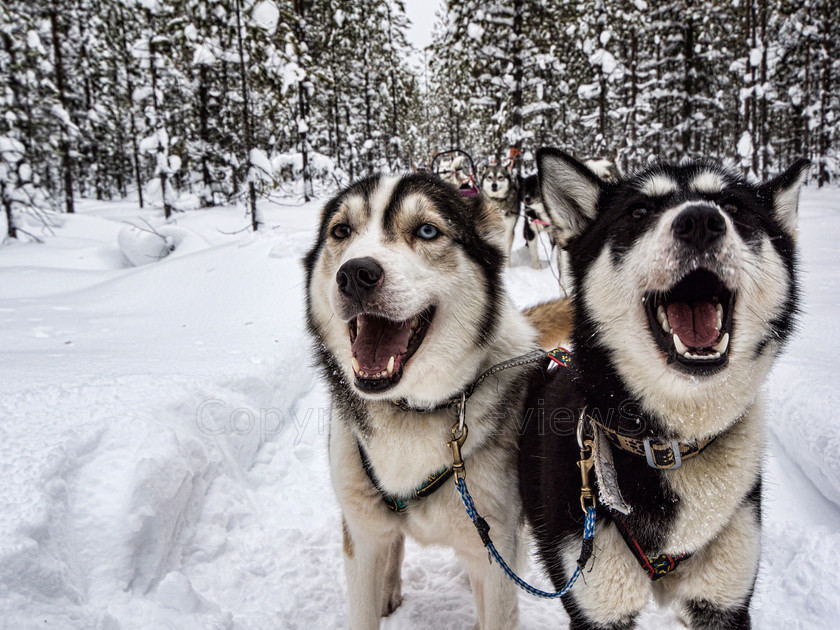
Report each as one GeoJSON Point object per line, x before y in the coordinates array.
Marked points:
{"type": "Point", "coordinates": [568, 189]}
{"type": "Point", "coordinates": [783, 191]}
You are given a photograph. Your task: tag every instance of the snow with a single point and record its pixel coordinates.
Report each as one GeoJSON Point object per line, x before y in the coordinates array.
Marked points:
{"type": "Point", "coordinates": [745, 146]}
{"type": "Point", "coordinates": [265, 15]}
{"type": "Point", "coordinates": [163, 440]}
{"type": "Point", "coordinates": [475, 31]}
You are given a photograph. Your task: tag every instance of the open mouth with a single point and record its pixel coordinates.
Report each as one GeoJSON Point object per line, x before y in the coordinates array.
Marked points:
{"type": "Point", "coordinates": [381, 348]}
{"type": "Point", "coordinates": [692, 322]}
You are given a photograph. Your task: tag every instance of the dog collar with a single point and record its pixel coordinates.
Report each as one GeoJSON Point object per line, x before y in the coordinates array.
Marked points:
{"type": "Point", "coordinates": [525, 359]}
{"type": "Point", "coordinates": [396, 503]}
{"type": "Point", "coordinates": [661, 455]}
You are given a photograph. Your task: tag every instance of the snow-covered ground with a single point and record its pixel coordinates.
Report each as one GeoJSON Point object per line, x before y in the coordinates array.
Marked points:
{"type": "Point", "coordinates": [162, 438]}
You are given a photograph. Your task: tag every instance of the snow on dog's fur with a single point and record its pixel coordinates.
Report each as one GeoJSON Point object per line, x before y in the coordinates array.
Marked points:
{"type": "Point", "coordinates": [686, 293]}
{"type": "Point", "coordinates": [405, 302]}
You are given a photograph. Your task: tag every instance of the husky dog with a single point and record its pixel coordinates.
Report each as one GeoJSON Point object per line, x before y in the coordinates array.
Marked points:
{"type": "Point", "coordinates": [406, 304]}
{"type": "Point", "coordinates": [686, 292]}
{"type": "Point", "coordinates": [538, 218]}
{"type": "Point", "coordinates": [499, 189]}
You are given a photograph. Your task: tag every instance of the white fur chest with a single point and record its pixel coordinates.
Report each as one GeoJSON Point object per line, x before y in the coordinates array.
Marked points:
{"type": "Point", "coordinates": [712, 485]}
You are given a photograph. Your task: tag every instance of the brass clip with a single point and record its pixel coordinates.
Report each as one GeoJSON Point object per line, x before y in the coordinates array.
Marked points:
{"type": "Point", "coordinates": [587, 494]}
{"type": "Point", "coordinates": [459, 436]}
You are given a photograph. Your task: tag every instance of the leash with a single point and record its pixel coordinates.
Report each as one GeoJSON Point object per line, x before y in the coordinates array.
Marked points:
{"type": "Point", "coordinates": [656, 567]}
{"type": "Point", "coordinates": [525, 359]}
{"type": "Point", "coordinates": [558, 356]}
{"type": "Point", "coordinates": [436, 480]}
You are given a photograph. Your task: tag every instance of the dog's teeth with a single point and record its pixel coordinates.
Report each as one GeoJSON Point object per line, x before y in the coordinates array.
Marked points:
{"type": "Point", "coordinates": [719, 311]}
{"type": "Point", "coordinates": [723, 344]}
{"type": "Point", "coordinates": [679, 346]}
{"type": "Point", "coordinates": [356, 367]}
{"type": "Point", "coordinates": [358, 326]}
{"type": "Point", "coordinates": [702, 357]}
{"type": "Point", "coordinates": [390, 368]}
{"type": "Point", "coordinates": [662, 316]}
{"type": "Point", "coordinates": [415, 322]}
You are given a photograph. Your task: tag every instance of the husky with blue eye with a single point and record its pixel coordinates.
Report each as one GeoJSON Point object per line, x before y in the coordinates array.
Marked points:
{"type": "Point", "coordinates": [406, 305]}
{"type": "Point", "coordinates": [686, 293]}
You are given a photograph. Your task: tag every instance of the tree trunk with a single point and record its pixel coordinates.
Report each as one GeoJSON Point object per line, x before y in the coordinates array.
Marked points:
{"type": "Point", "coordinates": [204, 134]}
{"type": "Point", "coordinates": [516, 97]}
{"type": "Point", "coordinates": [246, 117]}
{"type": "Point", "coordinates": [823, 175]}
{"type": "Point", "coordinates": [162, 152]}
{"type": "Point", "coordinates": [129, 89]}
{"type": "Point", "coordinates": [688, 80]}
{"type": "Point", "coordinates": [303, 104]}
{"type": "Point", "coordinates": [60, 84]}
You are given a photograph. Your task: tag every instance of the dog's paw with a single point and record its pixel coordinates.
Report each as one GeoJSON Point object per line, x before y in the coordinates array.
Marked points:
{"type": "Point", "coordinates": [391, 602]}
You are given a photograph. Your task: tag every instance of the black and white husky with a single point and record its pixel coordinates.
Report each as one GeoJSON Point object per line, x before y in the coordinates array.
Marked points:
{"type": "Point", "coordinates": [406, 304]}
{"type": "Point", "coordinates": [686, 293]}
{"type": "Point", "coordinates": [499, 189]}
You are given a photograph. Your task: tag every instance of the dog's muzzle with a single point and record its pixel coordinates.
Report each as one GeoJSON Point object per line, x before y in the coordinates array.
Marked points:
{"type": "Point", "coordinates": [699, 227]}
{"type": "Point", "coordinates": [358, 278]}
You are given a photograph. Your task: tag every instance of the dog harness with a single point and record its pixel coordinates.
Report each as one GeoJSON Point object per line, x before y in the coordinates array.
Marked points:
{"type": "Point", "coordinates": [657, 567]}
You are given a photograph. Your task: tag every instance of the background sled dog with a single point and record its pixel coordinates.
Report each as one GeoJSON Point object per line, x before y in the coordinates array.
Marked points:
{"type": "Point", "coordinates": [685, 294]}
{"type": "Point", "coordinates": [539, 219]}
{"type": "Point", "coordinates": [499, 190]}
{"type": "Point", "coordinates": [406, 304]}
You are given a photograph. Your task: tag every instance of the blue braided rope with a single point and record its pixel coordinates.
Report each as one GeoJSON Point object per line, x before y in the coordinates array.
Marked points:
{"type": "Point", "coordinates": [480, 524]}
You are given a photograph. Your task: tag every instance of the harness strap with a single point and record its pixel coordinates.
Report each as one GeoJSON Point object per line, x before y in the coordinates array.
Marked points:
{"type": "Point", "coordinates": [396, 503]}
{"type": "Point", "coordinates": [659, 455]}
{"type": "Point", "coordinates": [656, 567]}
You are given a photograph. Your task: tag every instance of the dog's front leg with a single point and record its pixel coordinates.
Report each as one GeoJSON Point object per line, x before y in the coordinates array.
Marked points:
{"type": "Point", "coordinates": [714, 586]}
{"type": "Point", "coordinates": [534, 250]}
{"type": "Point", "coordinates": [392, 591]}
{"type": "Point", "coordinates": [366, 558]}
{"type": "Point", "coordinates": [495, 595]}
{"type": "Point", "coordinates": [612, 590]}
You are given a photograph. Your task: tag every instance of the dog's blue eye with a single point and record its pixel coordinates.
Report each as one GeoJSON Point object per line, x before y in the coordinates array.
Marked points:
{"type": "Point", "coordinates": [639, 212]}
{"type": "Point", "coordinates": [340, 231]}
{"type": "Point", "coordinates": [427, 232]}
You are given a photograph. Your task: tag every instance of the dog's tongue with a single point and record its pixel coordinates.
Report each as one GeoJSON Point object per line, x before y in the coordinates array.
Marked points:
{"type": "Point", "coordinates": [694, 323]}
{"type": "Point", "coordinates": [377, 340]}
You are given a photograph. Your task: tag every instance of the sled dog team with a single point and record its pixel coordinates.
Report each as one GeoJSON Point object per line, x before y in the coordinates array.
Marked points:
{"type": "Point", "coordinates": [685, 294]}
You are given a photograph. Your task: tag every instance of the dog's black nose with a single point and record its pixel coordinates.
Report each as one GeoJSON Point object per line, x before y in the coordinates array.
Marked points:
{"type": "Point", "coordinates": [699, 226]}
{"type": "Point", "coordinates": [358, 277]}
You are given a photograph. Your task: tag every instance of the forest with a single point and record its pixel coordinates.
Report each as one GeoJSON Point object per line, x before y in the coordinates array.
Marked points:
{"type": "Point", "coordinates": [195, 103]}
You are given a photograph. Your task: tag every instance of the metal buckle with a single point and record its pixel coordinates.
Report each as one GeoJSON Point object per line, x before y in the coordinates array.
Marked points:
{"type": "Point", "coordinates": [675, 449]}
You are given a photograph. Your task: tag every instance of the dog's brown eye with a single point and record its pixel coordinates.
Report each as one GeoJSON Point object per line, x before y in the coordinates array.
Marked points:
{"type": "Point", "coordinates": [638, 212]}
{"type": "Point", "coordinates": [730, 206]}
{"type": "Point", "coordinates": [340, 231]}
